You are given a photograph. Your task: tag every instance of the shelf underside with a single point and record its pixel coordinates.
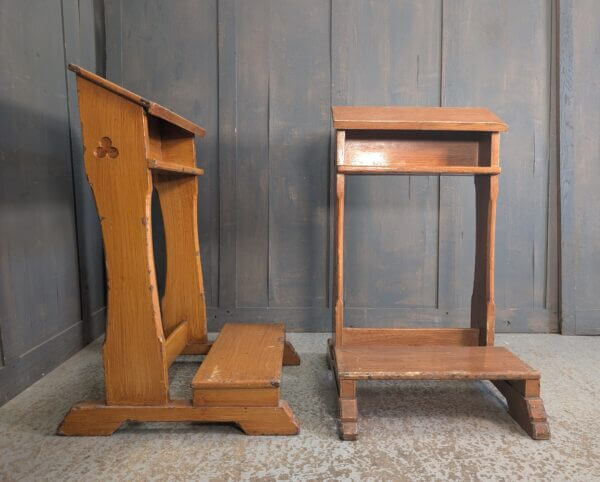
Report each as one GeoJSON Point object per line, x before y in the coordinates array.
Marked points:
{"type": "Point", "coordinates": [384, 362]}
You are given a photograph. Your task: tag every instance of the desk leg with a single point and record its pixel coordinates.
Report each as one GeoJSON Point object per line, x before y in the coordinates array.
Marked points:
{"type": "Point", "coordinates": [348, 410]}
{"type": "Point", "coordinates": [525, 406]}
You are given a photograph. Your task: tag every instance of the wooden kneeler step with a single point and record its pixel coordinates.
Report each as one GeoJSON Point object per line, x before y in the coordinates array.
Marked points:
{"type": "Point", "coordinates": [238, 382]}
{"type": "Point", "coordinates": [243, 367]}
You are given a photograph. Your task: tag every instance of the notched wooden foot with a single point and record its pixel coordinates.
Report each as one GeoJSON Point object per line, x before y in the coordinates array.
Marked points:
{"type": "Point", "coordinates": [525, 406]}
{"type": "Point", "coordinates": [348, 411]}
{"type": "Point", "coordinates": [270, 421]}
{"type": "Point", "coordinates": [290, 355]}
{"type": "Point", "coordinates": [96, 418]}
{"type": "Point", "coordinates": [87, 419]}
{"type": "Point", "coordinates": [348, 430]}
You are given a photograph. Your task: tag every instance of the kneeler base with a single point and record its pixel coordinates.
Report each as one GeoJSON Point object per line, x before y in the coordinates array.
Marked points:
{"type": "Point", "coordinates": [97, 418]}
{"type": "Point", "coordinates": [518, 383]}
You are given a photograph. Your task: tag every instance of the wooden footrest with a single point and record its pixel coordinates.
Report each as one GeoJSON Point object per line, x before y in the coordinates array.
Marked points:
{"type": "Point", "coordinates": [431, 363]}
{"type": "Point", "coordinates": [243, 367]}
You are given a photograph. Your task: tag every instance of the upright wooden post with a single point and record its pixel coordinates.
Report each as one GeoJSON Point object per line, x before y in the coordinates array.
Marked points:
{"type": "Point", "coordinates": [338, 280]}
{"type": "Point", "coordinates": [115, 161]}
{"type": "Point", "coordinates": [483, 308]}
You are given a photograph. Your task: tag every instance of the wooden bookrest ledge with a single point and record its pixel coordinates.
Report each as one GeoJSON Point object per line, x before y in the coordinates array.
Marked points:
{"type": "Point", "coordinates": [427, 140]}
{"type": "Point", "coordinates": [133, 146]}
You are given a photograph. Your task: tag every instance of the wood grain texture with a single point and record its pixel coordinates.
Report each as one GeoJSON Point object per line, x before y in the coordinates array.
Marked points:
{"type": "Point", "coordinates": [298, 152]}
{"type": "Point", "coordinates": [381, 52]}
{"type": "Point", "coordinates": [411, 336]}
{"type": "Point", "coordinates": [484, 62]}
{"type": "Point", "coordinates": [527, 411]}
{"type": "Point", "coordinates": [388, 53]}
{"type": "Point", "coordinates": [184, 37]}
{"type": "Point", "coordinates": [153, 108]}
{"type": "Point", "coordinates": [243, 356]}
{"type": "Point", "coordinates": [483, 308]}
{"type": "Point", "coordinates": [135, 373]}
{"type": "Point", "coordinates": [430, 363]}
{"type": "Point", "coordinates": [172, 167]}
{"type": "Point", "coordinates": [183, 298]}
{"type": "Point", "coordinates": [40, 304]}
{"type": "Point", "coordinates": [579, 158]}
{"type": "Point", "coordinates": [95, 418]}
{"type": "Point", "coordinates": [416, 118]}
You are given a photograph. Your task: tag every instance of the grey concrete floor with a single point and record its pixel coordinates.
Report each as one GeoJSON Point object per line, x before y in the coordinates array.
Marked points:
{"type": "Point", "coordinates": [407, 430]}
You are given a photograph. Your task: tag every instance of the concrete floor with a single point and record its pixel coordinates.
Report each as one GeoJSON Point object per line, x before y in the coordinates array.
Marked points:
{"type": "Point", "coordinates": [407, 430]}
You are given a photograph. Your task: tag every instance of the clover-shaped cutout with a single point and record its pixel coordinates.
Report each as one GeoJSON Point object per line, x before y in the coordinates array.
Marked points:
{"type": "Point", "coordinates": [105, 148]}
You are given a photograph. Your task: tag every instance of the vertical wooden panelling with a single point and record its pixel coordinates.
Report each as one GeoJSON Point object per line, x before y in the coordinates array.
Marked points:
{"type": "Point", "coordinates": [567, 171]}
{"type": "Point", "coordinates": [270, 80]}
{"type": "Point", "coordinates": [42, 320]}
{"type": "Point", "coordinates": [485, 62]}
{"type": "Point", "coordinates": [251, 33]}
{"type": "Point", "coordinates": [86, 50]}
{"type": "Point", "coordinates": [299, 123]}
{"type": "Point", "coordinates": [581, 108]}
{"type": "Point", "coordinates": [388, 52]}
{"type": "Point", "coordinates": [169, 54]}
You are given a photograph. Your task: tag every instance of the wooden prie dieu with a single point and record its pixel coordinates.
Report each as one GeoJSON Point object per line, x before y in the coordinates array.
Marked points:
{"type": "Point", "coordinates": [428, 141]}
{"type": "Point", "coordinates": [131, 147]}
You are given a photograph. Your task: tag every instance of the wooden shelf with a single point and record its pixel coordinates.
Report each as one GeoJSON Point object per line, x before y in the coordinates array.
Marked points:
{"type": "Point", "coordinates": [430, 363]}
{"type": "Point", "coordinates": [421, 170]}
{"type": "Point", "coordinates": [172, 167]}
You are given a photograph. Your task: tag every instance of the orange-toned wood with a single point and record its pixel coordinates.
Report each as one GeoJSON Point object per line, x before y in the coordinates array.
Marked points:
{"type": "Point", "coordinates": [134, 353]}
{"type": "Point", "coordinates": [290, 355]}
{"type": "Point", "coordinates": [175, 168]}
{"type": "Point", "coordinates": [132, 146]}
{"type": "Point", "coordinates": [527, 411]}
{"type": "Point", "coordinates": [237, 397]}
{"type": "Point", "coordinates": [151, 107]}
{"type": "Point", "coordinates": [96, 418]}
{"type": "Point", "coordinates": [348, 410]}
{"type": "Point", "coordinates": [244, 355]}
{"type": "Point", "coordinates": [483, 308]}
{"type": "Point", "coordinates": [347, 389]}
{"type": "Point", "coordinates": [417, 118]}
{"type": "Point", "coordinates": [176, 342]}
{"type": "Point", "coordinates": [338, 259]}
{"type": "Point", "coordinates": [184, 289]}
{"type": "Point", "coordinates": [411, 336]}
{"type": "Point", "coordinates": [197, 348]}
{"type": "Point", "coordinates": [420, 149]}
{"type": "Point", "coordinates": [425, 170]}
{"type": "Point", "coordinates": [431, 363]}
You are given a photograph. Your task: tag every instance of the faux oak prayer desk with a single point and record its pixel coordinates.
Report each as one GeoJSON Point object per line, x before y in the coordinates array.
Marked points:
{"type": "Point", "coordinates": [427, 140]}
{"type": "Point", "coordinates": [133, 146]}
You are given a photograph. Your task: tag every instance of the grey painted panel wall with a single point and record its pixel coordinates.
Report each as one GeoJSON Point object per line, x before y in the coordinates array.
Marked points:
{"type": "Point", "coordinates": [580, 166]}
{"type": "Point", "coordinates": [43, 319]}
{"type": "Point", "coordinates": [388, 53]}
{"type": "Point", "coordinates": [485, 63]}
{"type": "Point", "coordinates": [263, 81]}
